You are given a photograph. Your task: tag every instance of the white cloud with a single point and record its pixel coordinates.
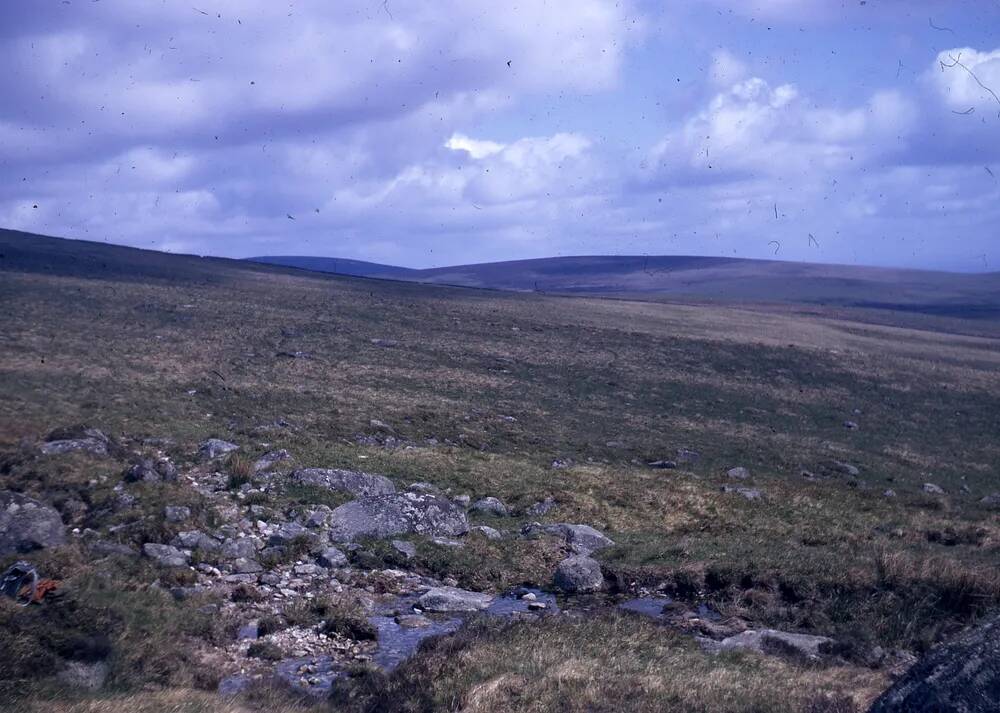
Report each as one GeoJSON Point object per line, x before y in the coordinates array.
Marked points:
{"type": "Point", "coordinates": [726, 68]}
{"type": "Point", "coordinates": [967, 78]}
{"type": "Point", "coordinates": [475, 148]}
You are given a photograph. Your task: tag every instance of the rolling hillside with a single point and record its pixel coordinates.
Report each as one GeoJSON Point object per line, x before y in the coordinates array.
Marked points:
{"type": "Point", "coordinates": [941, 293]}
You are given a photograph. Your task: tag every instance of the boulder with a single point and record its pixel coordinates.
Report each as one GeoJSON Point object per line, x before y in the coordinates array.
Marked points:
{"type": "Point", "coordinates": [165, 555]}
{"type": "Point", "coordinates": [488, 532]}
{"type": "Point", "coordinates": [452, 599]}
{"type": "Point", "coordinates": [407, 549]}
{"type": "Point", "coordinates": [215, 447]}
{"type": "Point", "coordinates": [89, 440]}
{"type": "Point", "coordinates": [773, 642]}
{"type": "Point", "coordinates": [237, 547]}
{"type": "Point", "coordinates": [738, 473]}
{"type": "Point", "coordinates": [288, 533]}
{"type": "Point", "coordinates": [269, 460]}
{"type": "Point", "coordinates": [397, 514]}
{"type": "Point", "coordinates": [932, 489]}
{"type": "Point", "coordinates": [490, 506]}
{"type": "Point", "coordinates": [583, 539]}
{"type": "Point", "coordinates": [748, 493]}
{"type": "Point", "coordinates": [27, 524]}
{"type": "Point", "coordinates": [991, 501]}
{"type": "Point", "coordinates": [196, 540]}
{"type": "Point", "coordinates": [351, 481]}
{"type": "Point", "coordinates": [331, 558]}
{"type": "Point", "coordinates": [686, 456]}
{"type": "Point", "coordinates": [962, 675]}
{"type": "Point", "coordinates": [578, 574]}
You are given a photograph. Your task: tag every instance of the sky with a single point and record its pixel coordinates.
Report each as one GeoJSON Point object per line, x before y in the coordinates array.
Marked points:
{"type": "Point", "coordinates": [446, 132]}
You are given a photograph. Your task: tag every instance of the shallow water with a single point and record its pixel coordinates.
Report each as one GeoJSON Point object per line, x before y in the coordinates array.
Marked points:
{"type": "Point", "coordinates": [397, 643]}
{"type": "Point", "coordinates": [647, 606]}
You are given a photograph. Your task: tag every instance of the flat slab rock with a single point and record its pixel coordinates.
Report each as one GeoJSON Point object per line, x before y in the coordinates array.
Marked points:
{"type": "Point", "coordinates": [350, 481]}
{"type": "Point", "coordinates": [453, 599]}
{"type": "Point", "coordinates": [583, 539]}
{"type": "Point", "coordinates": [27, 524]}
{"type": "Point", "coordinates": [397, 514]}
{"type": "Point", "coordinates": [961, 676]}
{"type": "Point", "coordinates": [773, 642]}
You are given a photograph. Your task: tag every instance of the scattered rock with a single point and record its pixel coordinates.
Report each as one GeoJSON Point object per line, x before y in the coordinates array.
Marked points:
{"type": "Point", "coordinates": [889, 493]}
{"type": "Point", "coordinates": [269, 460]}
{"type": "Point", "coordinates": [845, 468]}
{"type": "Point", "coordinates": [962, 675]}
{"type": "Point", "coordinates": [425, 488]}
{"type": "Point", "coordinates": [245, 565]}
{"type": "Point", "coordinates": [686, 456]}
{"type": "Point", "coordinates": [387, 343]}
{"type": "Point", "coordinates": [578, 574]}
{"type": "Point", "coordinates": [933, 489]}
{"type": "Point", "coordinates": [463, 500]}
{"type": "Point", "coordinates": [89, 440]}
{"type": "Point", "coordinates": [165, 555]}
{"type": "Point", "coordinates": [851, 425]}
{"type": "Point", "coordinates": [560, 463]}
{"type": "Point", "coordinates": [583, 539]}
{"type": "Point", "coordinates": [991, 501]}
{"type": "Point", "coordinates": [490, 506]}
{"type": "Point", "coordinates": [542, 508]}
{"type": "Point", "coordinates": [748, 493]}
{"type": "Point", "coordinates": [354, 482]}
{"type": "Point", "coordinates": [488, 532]}
{"type": "Point", "coordinates": [176, 513]}
{"type": "Point", "coordinates": [452, 599]}
{"type": "Point", "coordinates": [237, 547]}
{"type": "Point", "coordinates": [773, 642]}
{"type": "Point", "coordinates": [738, 473]}
{"type": "Point", "coordinates": [387, 515]}
{"type": "Point", "coordinates": [662, 464]}
{"type": "Point", "coordinates": [195, 540]}
{"type": "Point", "coordinates": [331, 558]}
{"type": "Point", "coordinates": [407, 549]}
{"type": "Point", "coordinates": [215, 447]}
{"type": "Point", "coordinates": [27, 524]}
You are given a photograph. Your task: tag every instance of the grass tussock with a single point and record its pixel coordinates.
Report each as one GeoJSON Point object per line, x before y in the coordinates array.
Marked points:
{"type": "Point", "coordinates": [613, 663]}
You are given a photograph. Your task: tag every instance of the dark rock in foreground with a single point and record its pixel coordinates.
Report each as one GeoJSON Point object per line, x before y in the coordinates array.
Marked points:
{"type": "Point", "coordinates": [962, 676]}
{"type": "Point", "coordinates": [27, 524]}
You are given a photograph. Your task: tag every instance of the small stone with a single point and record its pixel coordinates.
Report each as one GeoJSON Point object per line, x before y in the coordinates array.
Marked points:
{"type": "Point", "coordinates": [488, 532]}
{"type": "Point", "coordinates": [851, 425]}
{"type": "Point", "coordinates": [407, 549]}
{"type": "Point", "coordinates": [889, 493]}
{"type": "Point", "coordinates": [933, 489]}
{"type": "Point", "coordinates": [412, 621]}
{"type": "Point", "coordinates": [215, 447]}
{"type": "Point", "coordinates": [490, 506]}
{"type": "Point", "coordinates": [176, 513]}
{"type": "Point", "coordinates": [331, 558]}
{"type": "Point", "coordinates": [543, 507]}
{"type": "Point", "coordinates": [662, 464]}
{"type": "Point", "coordinates": [738, 473]}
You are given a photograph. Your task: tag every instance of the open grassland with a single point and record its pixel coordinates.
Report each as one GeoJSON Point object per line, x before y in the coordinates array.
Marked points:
{"type": "Point", "coordinates": [489, 389]}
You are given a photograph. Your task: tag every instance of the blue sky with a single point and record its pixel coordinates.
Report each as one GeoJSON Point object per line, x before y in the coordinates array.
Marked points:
{"type": "Point", "coordinates": [425, 134]}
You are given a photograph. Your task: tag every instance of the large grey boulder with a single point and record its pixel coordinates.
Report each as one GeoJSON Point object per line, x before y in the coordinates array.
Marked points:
{"type": "Point", "coordinates": [578, 574]}
{"type": "Point", "coordinates": [773, 642]}
{"type": "Point", "coordinates": [89, 440]}
{"type": "Point", "coordinates": [402, 513]}
{"type": "Point", "coordinates": [196, 540]}
{"type": "Point", "coordinates": [961, 676]}
{"type": "Point", "coordinates": [351, 481]}
{"type": "Point", "coordinates": [582, 539]}
{"type": "Point", "coordinates": [27, 524]}
{"type": "Point", "coordinates": [451, 599]}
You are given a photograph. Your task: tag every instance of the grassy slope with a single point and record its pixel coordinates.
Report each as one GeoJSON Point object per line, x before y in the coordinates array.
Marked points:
{"type": "Point", "coordinates": [765, 389]}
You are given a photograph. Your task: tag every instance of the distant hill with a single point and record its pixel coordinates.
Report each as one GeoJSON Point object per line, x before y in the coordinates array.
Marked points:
{"type": "Point", "coordinates": [705, 278]}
